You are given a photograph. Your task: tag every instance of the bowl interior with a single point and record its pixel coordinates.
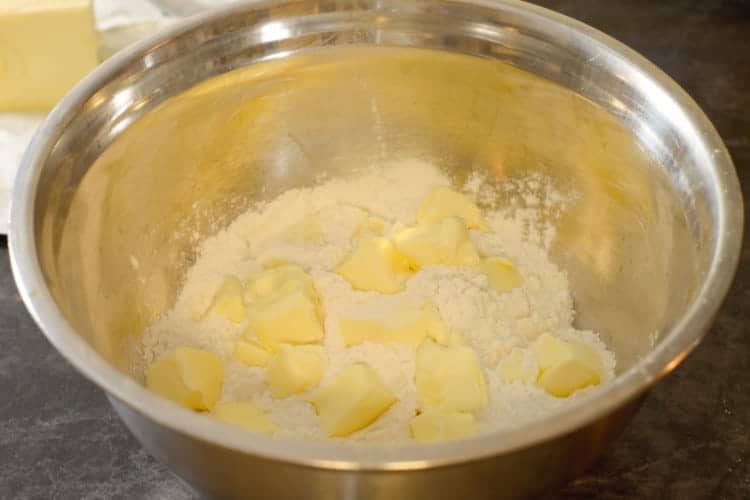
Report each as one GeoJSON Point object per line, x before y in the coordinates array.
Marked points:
{"type": "Point", "coordinates": [170, 142]}
{"type": "Point", "coordinates": [195, 162]}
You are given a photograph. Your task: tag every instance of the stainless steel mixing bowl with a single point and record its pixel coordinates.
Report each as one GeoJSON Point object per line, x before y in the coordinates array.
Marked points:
{"type": "Point", "coordinates": [168, 141]}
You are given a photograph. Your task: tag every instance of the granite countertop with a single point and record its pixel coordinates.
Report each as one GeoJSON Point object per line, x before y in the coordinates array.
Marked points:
{"type": "Point", "coordinates": [59, 438]}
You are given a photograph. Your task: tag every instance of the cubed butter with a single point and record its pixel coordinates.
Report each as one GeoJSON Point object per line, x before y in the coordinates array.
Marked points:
{"type": "Point", "coordinates": [501, 273]}
{"type": "Point", "coordinates": [188, 376]}
{"type": "Point", "coordinates": [245, 415]}
{"type": "Point", "coordinates": [288, 317]}
{"type": "Point", "coordinates": [408, 326]}
{"type": "Point", "coordinates": [280, 279]}
{"type": "Point", "coordinates": [251, 353]}
{"type": "Point", "coordinates": [449, 378]}
{"type": "Point", "coordinates": [443, 242]}
{"type": "Point", "coordinates": [295, 369]}
{"type": "Point", "coordinates": [444, 202]}
{"type": "Point", "coordinates": [228, 301]}
{"type": "Point", "coordinates": [46, 47]}
{"type": "Point", "coordinates": [284, 306]}
{"type": "Point", "coordinates": [353, 400]}
{"type": "Point", "coordinates": [376, 265]}
{"type": "Point", "coordinates": [518, 366]}
{"type": "Point", "coordinates": [437, 426]}
{"type": "Point", "coordinates": [566, 366]}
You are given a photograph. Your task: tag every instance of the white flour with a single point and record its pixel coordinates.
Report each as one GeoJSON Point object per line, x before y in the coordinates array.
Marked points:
{"type": "Point", "coordinates": [314, 228]}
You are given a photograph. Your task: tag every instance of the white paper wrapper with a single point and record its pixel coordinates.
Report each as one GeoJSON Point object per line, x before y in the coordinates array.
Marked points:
{"type": "Point", "coordinates": [16, 130]}
{"type": "Point", "coordinates": [117, 13]}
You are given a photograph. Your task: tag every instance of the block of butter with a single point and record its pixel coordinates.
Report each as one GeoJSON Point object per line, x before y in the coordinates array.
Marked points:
{"type": "Point", "coordinates": [406, 326]}
{"type": "Point", "coordinates": [245, 415]}
{"type": "Point", "coordinates": [188, 376]}
{"type": "Point", "coordinates": [565, 366]}
{"type": "Point", "coordinates": [375, 264]}
{"type": "Point", "coordinates": [295, 369]}
{"type": "Point", "coordinates": [449, 378]}
{"type": "Point", "coordinates": [46, 47]}
{"type": "Point", "coordinates": [355, 398]}
{"type": "Point", "coordinates": [284, 307]}
{"type": "Point", "coordinates": [436, 426]}
{"type": "Point", "coordinates": [445, 242]}
{"type": "Point", "coordinates": [228, 301]}
{"type": "Point", "coordinates": [251, 353]}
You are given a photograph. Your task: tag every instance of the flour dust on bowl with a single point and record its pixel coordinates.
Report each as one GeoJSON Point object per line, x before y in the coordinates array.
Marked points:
{"type": "Point", "coordinates": [311, 219]}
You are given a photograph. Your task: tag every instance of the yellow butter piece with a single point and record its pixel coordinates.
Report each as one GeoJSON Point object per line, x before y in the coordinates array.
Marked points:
{"type": "Point", "coordinates": [444, 202]}
{"type": "Point", "coordinates": [410, 326]}
{"type": "Point", "coordinates": [353, 400]}
{"type": "Point", "coordinates": [283, 306]}
{"type": "Point", "coordinates": [444, 242]}
{"type": "Point", "coordinates": [228, 301]}
{"type": "Point", "coordinates": [436, 426]}
{"type": "Point", "coordinates": [281, 279]}
{"type": "Point", "coordinates": [188, 376]}
{"type": "Point", "coordinates": [46, 47]}
{"type": "Point", "coordinates": [501, 273]}
{"type": "Point", "coordinates": [289, 318]}
{"type": "Point", "coordinates": [245, 415]}
{"type": "Point", "coordinates": [566, 366]}
{"type": "Point", "coordinates": [449, 378]}
{"type": "Point", "coordinates": [251, 353]}
{"type": "Point", "coordinates": [376, 265]}
{"type": "Point", "coordinates": [295, 369]}
{"type": "Point", "coordinates": [518, 366]}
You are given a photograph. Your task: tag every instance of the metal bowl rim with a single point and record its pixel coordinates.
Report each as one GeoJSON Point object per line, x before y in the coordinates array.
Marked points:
{"type": "Point", "coordinates": [677, 343]}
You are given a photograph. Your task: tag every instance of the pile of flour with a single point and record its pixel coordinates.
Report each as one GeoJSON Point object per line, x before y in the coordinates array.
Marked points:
{"type": "Point", "coordinates": [314, 227]}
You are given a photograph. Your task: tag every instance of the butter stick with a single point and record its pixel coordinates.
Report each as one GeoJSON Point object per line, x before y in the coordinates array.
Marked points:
{"type": "Point", "coordinates": [46, 47]}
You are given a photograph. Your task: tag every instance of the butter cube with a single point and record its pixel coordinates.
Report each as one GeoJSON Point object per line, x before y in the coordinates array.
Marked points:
{"type": "Point", "coordinates": [352, 401]}
{"type": "Point", "coordinates": [436, 426]}
{"type": "Point", "coordinates": [407, 326]}
{"type": "Point", "coordinates": [245, 415]}
{"type": "Point", "coordinates": [566, 366]}
{"type": "Point", "coordinates": [284, 307]}
{"type": "Point", "coordinates": [46, 47]}
{"type": "Point", "coordinates": [445, 242]}
{"type": "Point", "coordinates": [295, 369]}
{"type": "Point", "coordinates": [375, 264]}
{"type": "Point", "coordinates": [501, 273]}
{"type": "Point", "coordinates": [287, 317]}
{"type": "Point", "coordinates": [518, 366]}
{"type": "Point", "coordinates": [190, 377]}
{"type": "Point", "coordinates": [228, 301]}
{"type": "Point", "coordinates": [279, 280]}
{"type": "Point", "coordinates": [444, 202]}
{"type": "Point", "coordinates": [449, 378]}
{"type": "Point", "coordinates": [251, 353]}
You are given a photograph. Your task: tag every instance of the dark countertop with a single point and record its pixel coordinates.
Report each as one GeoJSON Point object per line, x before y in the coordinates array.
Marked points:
{"type": "Point", "coordinates": [59, 437]}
